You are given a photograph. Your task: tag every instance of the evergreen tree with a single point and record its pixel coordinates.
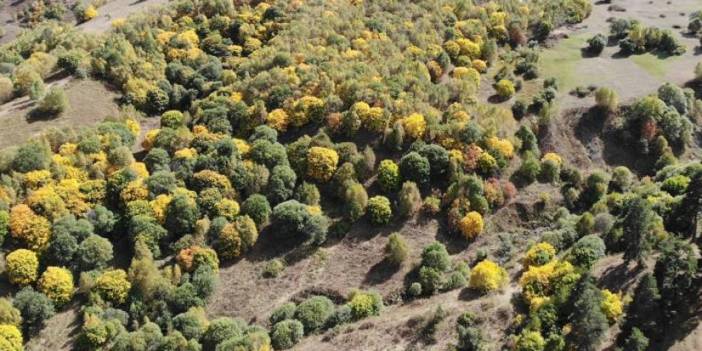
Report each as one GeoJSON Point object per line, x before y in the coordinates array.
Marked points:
{"type": "Point", "coordinates": [588, 320]}
{"type": "Point", "coordinates": [637, 224]}
{"type": "Point", "coordinates": [675, 273]}
{"type": "Point", "coordinates": [644, 310]}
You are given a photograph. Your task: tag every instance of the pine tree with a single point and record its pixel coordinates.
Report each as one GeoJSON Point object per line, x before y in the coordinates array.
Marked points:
{"type": "Point", "coordinates": [644, 311]}
{"type": "Point", "coordinates": [588, 321]}
{"type": "Point", "coordinates": [637, 224]}
{"type": "Point", "coordinates": [675, 272]}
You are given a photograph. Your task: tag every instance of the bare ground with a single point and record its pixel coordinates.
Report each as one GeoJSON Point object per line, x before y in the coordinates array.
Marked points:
{"type": "Point", "coordinates": [89, 102]}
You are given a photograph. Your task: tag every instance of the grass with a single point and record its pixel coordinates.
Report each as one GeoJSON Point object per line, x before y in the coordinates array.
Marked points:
{"type": "Point", "coordinates": [561, 61]}
{"type": "Point", "coordinates": [653, 65]}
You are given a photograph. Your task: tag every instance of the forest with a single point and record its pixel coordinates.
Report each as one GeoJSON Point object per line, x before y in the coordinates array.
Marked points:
{"type": "Point", "coordinates": [351, 174]}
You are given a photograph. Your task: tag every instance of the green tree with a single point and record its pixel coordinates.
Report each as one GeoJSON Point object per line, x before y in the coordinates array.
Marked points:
{"type": "Point", "coordinates": [588, 321]}
{"type": "Point", "coordinates": [675, 273]}
{"type": "Point", "coordinates": [637, 231]}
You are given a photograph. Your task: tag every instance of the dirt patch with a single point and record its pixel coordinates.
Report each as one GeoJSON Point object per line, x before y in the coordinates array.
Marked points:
{"type": "Point", "coordinates": [90, 102]}
{"type": "Point", "coordinates": [117, 9]}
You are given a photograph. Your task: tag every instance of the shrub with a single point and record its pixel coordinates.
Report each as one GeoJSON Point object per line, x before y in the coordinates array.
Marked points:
{"type": "Point", "coordinates": [54, 102]}
{"type": "Point", "coordinates": [435, 256]}
{"type": "Point", "coordinates": [505, 88]}
{"type": "Point", "coordinates": [308, 194]}
{"type": "Point", "coordinates": [596, 44]}
{"type": "Point", "coordinates": [321, 163]}
{"type": "Point", "coordinates": [587, 251]}
{"type": "Point", "coordinates": [257, 207]}
{"type": "Point", "coordinates": [286, 311]}
{"type": "Point", "coordinates": [94, 253]}
{"type": "Point", "coordinates": [388, 176]}
{"type": "Point", "coordinates": [192, 324]}
{"type": "Point", "coordinates": [281, 184]}
{"type": "Point", "coordinates": [57, 284]}
{"type": "Point", "coordinates": [409, 200]}
{"type": "Point", "coordinates": [34, 307]}
{"type": "Point", "coordinates": [415, 289]}
{"type": "Point", "coordinates": [530, 340]}
{"type": "Point", "coordinates": [220, 330]}
{"type": "Point", "coordinates": [22, 266]}
{"type": "Point", "coordinates": [539, 254]}
{"type": "Point", "coordinates": [31, 156]}
{"type": "Point", "coordinates": [273, 268]}
{"type": "Point", "coordinates": [8, 313]}
{"type": "Point", "coordinates": [314, 312]}
{"type": "Point", "coordinates": [607, 99]}
{"type": "Point", "coordinates": [471, 225]}
{"type": "Point", "coordinates": [414, 167]}
{"type": "Point", "coordinates": [356, 201]}
{"type": "Point", "coordinates": [113, 286]}
{"type": "Point", "coordinates": [396, 250]}
{"type": "Point", "coordinates": [365, 304]}
{"type": "Point", "coordinates": [6, 89]}
{"type": "Point", "coordinates": [431, 280]}
{"type": "Point", "coordinates": [286, 334]}
{"type": "Point", "coordinates": [487, 276]}
{"type": "Point", "coordinates": [415, 125]}
{"type": "Point", "coordinates": [10, 338]}
{"type": "Point", "coordinates": [379, 209]}
{"type": "Point", "coordinates": [612, 305]}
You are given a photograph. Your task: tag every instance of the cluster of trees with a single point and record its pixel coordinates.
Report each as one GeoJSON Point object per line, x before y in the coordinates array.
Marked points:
{"type": "Point", "coordinates": [635, 38]}
{"type": "Point", "coordinates": [291, 322]}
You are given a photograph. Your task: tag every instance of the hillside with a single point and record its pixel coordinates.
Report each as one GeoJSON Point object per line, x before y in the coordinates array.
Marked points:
{"type": "Point", "coordinates": [254, 175]}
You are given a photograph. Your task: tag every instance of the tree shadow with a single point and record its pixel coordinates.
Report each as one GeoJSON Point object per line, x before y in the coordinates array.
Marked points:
{"type": "Point", "coordinates": [381, 272]}
{"type": "Point", "coordinates": [468, 294]}
{"type": "Point", "coordinates": [620, 277]}
{"type": "Point", "coordinates": [36, 115]}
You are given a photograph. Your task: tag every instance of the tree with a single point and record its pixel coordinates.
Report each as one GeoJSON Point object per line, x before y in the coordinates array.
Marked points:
{"type": "Point", "coordinates": [257, 207]}
{"type": "Point", "coordinates": [113, 285]}
{"type": "Point", "coordinates": [409, 200]}
{"type": "Point", "coordinates": [31, 156]}
{"type": "Point", "coordinates": [587, 251]}
{"type": "Point", "coordinates": [57, 284]}
{"type": "Point", "coordinates": [539, 255]}
{"type": "Point", "coordinates": [379, 210]}
{"type": "Point", "coordinates": [438, 158]}
{"type": "Point", "coordinates": [22, 266]}
{"type": "Point", "coordinates": [34, 307]}
{"type": "Point", "coordinates": [435, 256]}
{"type": "Point", "coordinates": [314, 312]}
{"type": "Point", "coordinates": [644, 311]}
{"type": "Point", "coordinates": [181, 214]}
{"type": "Point", "coordinates": [356, 201]}
{"type": "Point", "coordinates": [389, 176]}
{"type": "Point", "coordinates": [636, 341]}
{"type": "Point", "coordinates": [588, 320]}
{"type": "Point", "coordinates": [321, 163]}
{"type": "Point", "coordinates": [290, 218]}
{"type": "Point", "coordinates": [607, 99]}
{"type": "Point", "coordinates": [637, 231]}
{"type": "Point", "coordinates": [54, 102]}
{"type": "Point", "coordinates": [93, 253]}
{"type": "Point", "coordinates": [414, 167]}
{"type": "Point", "coordinates": [8, 313]}
{"type": "Point", "coordinates": [365, 304]}
{"type": "Point", "coordinates": [10, 338]}
{"type": "Point", "coordinates": [487, 276]}
{"type": "Point", "coordinates": [396, 250]}
{"type": "Point", "coordinates": [471, 225]}
{"type": "Point", "coordinates": [530, 340]}
{"type": "Point", "coordinates": [675, 272]}
{"type": "Point", "coordinates": [281, 184]}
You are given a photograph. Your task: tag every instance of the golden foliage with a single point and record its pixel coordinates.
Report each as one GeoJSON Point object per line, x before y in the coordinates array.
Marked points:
{"type": "Point", "coordinates": [487, 276]}
{"type": "Point", "coordinates": [321, 163]}
{"type": "Point", "coordinates": [113, 285]}
{"type": "Point", "coordinates": [22, 266]}
{"type": "Point", "coordinates": [57, 284]}
{"type": "Point", "coordinates": [30, 228]}
{"type": "Point", "coordinates": [471, 225]}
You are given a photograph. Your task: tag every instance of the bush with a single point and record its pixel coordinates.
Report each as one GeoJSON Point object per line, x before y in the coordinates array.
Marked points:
{"type": "Point", "coordinates": [530, 340]}
{"type": "Point", "coordinates": [22, 266]}
{"type": "Point", "coordinates": [286, 311]}
{"type": "Point", "coordinates": [192, 324]}
{"type": "Point", "coordinates": [388, 176]}
{"type": "Point", "coordinates": [8, 313]}
{"type": "Point", "coordinates": [6, 89]}
{"type": "Point", "coordinates": [435, 256]}
{"type": "Point", "coordinates": [57, 284]}
{"type": "Point", "coordinates": [379, 210]}
{"type": "Point", "coordinates": [396, 250]}
{"type": "Point", "coordinates": [308, 194]}
{"type": "Point", "coordinates": [471, 225]}
{"type": "Point", "coordinates": [607, 99]}
{"type": "Point", "coordinates": [612, 305]}
{"type": "Point", "coordinates": [112, 285]}
{"type": "Point", "coordinates": [365, 304]}
{"type": "Point", "coordinates": [286, 334]}
{"type": "Point", "coordinates": [220, 330]}
{"type": "Point", "coordinates": [487, 276]}
{"type": "Point", "coordinates": [356, 201]}
{"type": "Point", "coordinates": [34, 307]}
{"type": "Point", "coordinates": [596, 44]}
{"type": "Point", "coordinates": [314, 312]}
{"type": "Point", "coordinates": [431, 280]}
{"type": "Point", "coordinates": [31, 156]}
{"type": "Point", "coordinates": [54, 102]}
{"type": "Point", "coordinates": [414, 167]}
{"type": "Point", "coordinates": [587, 251]}
{"type": "Point", "coordinates": [539, 254]}
{"type": "Point", "coordinates": [505, 89]}
{"type": "Point", "coordinates": [10, 338]}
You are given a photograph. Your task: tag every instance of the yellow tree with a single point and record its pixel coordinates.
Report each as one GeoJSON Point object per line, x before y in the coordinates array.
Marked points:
{"type": "Point", "coordinates": [22, 266]}
{"type": "Point", "coordinates": [321, 163]}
